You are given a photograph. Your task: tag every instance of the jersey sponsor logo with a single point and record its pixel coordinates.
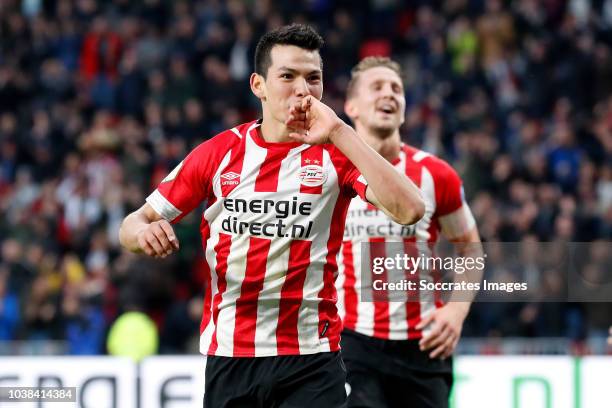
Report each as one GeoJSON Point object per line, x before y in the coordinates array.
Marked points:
{"type": "Point", "coordinates": [387, 229]}
{"type": "Point", "coordinates": [374, 223]}
{"type": "Point", "coordinates": [229, 179]}
{"type": "Point", "coordinates": [280, 209]}
{"type": "Point", "coordinates": [312, 175]}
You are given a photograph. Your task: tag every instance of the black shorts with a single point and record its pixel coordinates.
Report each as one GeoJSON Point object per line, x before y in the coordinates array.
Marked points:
{"type": "Point", "coordinates": [394, 373]}
{"type": "Point", "coordinates": [313, 381]}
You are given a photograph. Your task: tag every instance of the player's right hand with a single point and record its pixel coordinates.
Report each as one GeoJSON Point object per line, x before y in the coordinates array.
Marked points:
{"type": "Point", "coordinates": [158, 239]}
{"type": "Point", "coordinates": [313, 122]}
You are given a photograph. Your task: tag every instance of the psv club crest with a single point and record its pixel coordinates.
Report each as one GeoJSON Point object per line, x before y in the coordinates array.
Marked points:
{"type": "Point", "coordinates": [312, 175]}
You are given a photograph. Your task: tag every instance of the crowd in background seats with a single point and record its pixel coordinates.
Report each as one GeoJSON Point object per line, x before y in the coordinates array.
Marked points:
{"type": "Point", "coordinates": [99, 100]}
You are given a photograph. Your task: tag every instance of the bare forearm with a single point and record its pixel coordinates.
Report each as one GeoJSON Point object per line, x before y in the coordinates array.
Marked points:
{"type": "Point", "coordinates": [395, 192]}
{"type": "Point", "coordinates": [146, 231]}
{"type": "Point", "coordinates": [128, 232]}
{"type": "Point", "coordinates": [470, 248]}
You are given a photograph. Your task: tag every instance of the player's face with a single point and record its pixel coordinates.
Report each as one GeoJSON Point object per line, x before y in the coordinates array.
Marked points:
{"type": "Point", "coordinates": [378, 102]}
{"type": "Point", "coordinates": [294, 74]}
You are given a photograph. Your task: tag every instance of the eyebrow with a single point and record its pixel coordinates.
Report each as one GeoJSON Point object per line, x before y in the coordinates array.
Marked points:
{"type": "Point", "coordinates": [295, 71]}
{"type": "Point", "coordinates": [393, 82]}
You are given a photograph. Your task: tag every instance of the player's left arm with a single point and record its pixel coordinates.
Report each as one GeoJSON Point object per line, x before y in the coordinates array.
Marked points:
{"type": "Point", "coordinates": [447, 322]}
{"type": "Point", "coordinates": [388, 190]}
{"type": "Point", "coordinates": [459, 227]}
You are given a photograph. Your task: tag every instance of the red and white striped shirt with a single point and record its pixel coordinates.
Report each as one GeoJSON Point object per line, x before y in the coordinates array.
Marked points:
{"type": "Point", "coordinates": [445, 211]}
{"type": "Point", "coordinates": [272, 230]}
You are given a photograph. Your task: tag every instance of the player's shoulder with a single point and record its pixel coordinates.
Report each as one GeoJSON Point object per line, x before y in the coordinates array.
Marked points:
{"type": "Point", "coordinates": [221, 143]}
{"type": "Point", "coordinates": [334, 153]}
{"type": "Point", "coordinates": [337, 158]}
{"type": "Point", "coordinates": [437, 167]}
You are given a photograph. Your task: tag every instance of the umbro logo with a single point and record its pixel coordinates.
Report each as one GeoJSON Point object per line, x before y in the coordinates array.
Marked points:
{"type": "Point", "coordinates": [230, 175]}
{"type": "Point", "coordinates": [229, 178]}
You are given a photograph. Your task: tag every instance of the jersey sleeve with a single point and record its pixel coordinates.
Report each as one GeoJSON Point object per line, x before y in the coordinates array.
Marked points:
{"type": "Point", "coordinates": [185, 187]}
{"type": "Point", "coordinates": [449, 189]}
{"type": "Point", "coordinates": [458, 223]}
{"type": "Point", "coordinates": [350, 178]}
{"type": "Point", "coordinates": [452, 210]}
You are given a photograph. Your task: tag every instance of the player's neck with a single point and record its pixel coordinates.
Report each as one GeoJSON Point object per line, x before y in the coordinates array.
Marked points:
{"type": "Point", "coordinates": [273, 131]}
{"type": "Point", "coordinates": [388, 146]}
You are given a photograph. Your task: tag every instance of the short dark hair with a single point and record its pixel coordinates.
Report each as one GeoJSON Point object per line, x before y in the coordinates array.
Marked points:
{"type": "Point", "coordinates": [300, 35]}
{"type": "Point", "coordinates": [368, 63]}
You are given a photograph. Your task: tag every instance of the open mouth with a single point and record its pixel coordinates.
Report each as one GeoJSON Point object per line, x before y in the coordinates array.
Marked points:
{"type": "Point", "coordinates": [387, 108]}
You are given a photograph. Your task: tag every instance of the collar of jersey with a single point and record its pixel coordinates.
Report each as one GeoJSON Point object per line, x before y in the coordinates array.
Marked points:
{"type": "Point", "coordinates": [398, 159]}
{"type": "Point", "coordinates": [255, 133]}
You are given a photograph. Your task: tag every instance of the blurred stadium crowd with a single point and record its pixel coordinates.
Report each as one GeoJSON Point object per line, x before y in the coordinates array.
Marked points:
{"type": "Point", "coordinates": [99, 100]}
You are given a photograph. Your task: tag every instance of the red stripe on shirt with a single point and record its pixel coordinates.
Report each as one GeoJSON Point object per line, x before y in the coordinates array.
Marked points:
{"type": "Point", "coordinates": [267, 178]}
{"type": "Point", "coordinates": [380, 298]}
{"type": "Point", "coordinates": [433, 230]}
{"type": "Point", "coordinates": [414, 171]}
{"type": "Point", "coordinates": [312, 156]}
{"type": "Point", "coordinates": [291, 298]}
{"type": "Point", "coordinates": [350, 292]}
{"type": "Point", "coordinates": [437, 277]}
{"type": "Point", "coordinates": [330, 324]}
{"type": "Point", "coordinates": [230, 176]}
{"type": "Point", "coordinates": [413, 305]}
{"type": "Point", "coordinates": [222, 250]}
{"type": "Point", "coordinates": [246, 304]}
{"type": "Point", "coordinates": [206, 310]}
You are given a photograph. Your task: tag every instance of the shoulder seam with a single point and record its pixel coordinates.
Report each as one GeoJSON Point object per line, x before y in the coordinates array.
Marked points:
{"type": "Point", "coordinates": [420, 155]}
{"type": "Point", "coordinates": [236, 132]}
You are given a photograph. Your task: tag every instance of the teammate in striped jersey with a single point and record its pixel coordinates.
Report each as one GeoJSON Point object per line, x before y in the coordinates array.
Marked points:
{"type": "Point", "coordinates": [397, 353]}
{"type": "Point", "coordinates": [276, 192]}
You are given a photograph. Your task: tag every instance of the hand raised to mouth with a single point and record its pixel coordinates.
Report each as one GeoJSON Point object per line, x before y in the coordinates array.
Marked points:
{"type": "Point", "coordinates": [313, 122]}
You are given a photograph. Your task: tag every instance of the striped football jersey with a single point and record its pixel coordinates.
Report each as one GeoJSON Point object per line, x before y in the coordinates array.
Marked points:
{"type": "Point", "coordinates": [445, 211]}
{"type": "Point", "coordinates": [271, 230]}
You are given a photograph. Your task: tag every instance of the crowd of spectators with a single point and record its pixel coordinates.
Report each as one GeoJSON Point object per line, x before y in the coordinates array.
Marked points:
{"type": "Point", "coordinates": [99, 100]}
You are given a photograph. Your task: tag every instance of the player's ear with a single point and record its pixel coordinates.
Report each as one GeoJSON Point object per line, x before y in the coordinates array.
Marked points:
{"type": "Point", "coordinates": [350, 109]}
{"type": "Point", "coordinates": [258, 86]}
